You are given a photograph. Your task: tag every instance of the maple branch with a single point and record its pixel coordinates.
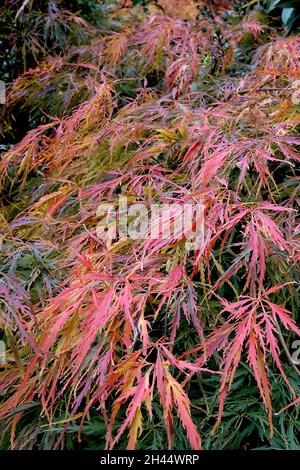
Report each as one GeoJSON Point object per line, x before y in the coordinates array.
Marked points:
{"type": "Point", "coordinates": [284, 345]}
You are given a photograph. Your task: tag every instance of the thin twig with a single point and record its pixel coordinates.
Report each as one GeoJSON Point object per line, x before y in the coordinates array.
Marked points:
{"type": "Point", "coordinates": [287, 352]}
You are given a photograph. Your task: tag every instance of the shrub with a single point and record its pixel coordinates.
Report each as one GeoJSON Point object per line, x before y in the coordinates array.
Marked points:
{"type": "Point", "coordinates": [141, 343]}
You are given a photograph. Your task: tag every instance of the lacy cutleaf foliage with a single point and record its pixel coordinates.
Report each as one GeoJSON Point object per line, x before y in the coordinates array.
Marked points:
{"type": "Point", "coordinates": [139, 343]}
{"type": "Point", "coordinates": [32, 29]}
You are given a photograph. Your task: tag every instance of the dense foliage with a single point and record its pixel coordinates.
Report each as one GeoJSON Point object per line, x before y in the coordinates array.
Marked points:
{"type": "Point", "coordinates": [114, 343]}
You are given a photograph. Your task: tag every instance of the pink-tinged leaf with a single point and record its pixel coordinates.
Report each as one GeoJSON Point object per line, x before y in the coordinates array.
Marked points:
{"type": "Point", "coordinates": [183, 409]}
{"type": "Point", "coordinates": [257, 363]}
